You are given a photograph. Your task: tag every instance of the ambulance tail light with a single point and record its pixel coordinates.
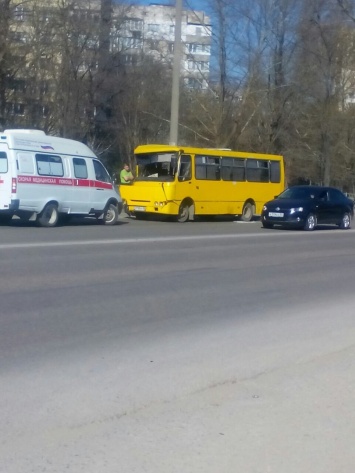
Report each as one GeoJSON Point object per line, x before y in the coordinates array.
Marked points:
{"type": "Point", "coordinates": [14, 185]}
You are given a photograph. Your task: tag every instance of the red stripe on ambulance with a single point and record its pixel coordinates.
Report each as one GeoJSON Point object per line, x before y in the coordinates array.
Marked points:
{"type": "Point", "coordinates": [61, 181]}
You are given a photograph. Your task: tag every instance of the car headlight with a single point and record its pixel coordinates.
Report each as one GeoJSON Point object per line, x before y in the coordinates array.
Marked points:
{"type": "Point", "coordinates": [296, 209]}
{"type": "Point", "coordinates": [265, 207]}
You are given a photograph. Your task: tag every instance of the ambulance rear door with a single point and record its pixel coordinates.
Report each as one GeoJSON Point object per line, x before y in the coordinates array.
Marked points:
{"type": "Point", "coordinates": [5, 179]}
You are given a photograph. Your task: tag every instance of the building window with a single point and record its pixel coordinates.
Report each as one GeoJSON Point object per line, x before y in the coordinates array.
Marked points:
{"type": "Point", "coordinates": [193, 83]}
{"type": "Point", "coordinates": [197, 65]}
{"type": "Point", "coordinates": [88, 65]}
{"type": "Point", "coordinates": [133, 25]}
{"type": "Point", "coordinates": [43, 87]}
{"type": "Point", "coordinates": [20, 14]}
{"type": "Point", "coordinates": [41, 111]}
{"type": "Point", "coordinates": [131, 43]}
{"type": "Point", "coordinates": [153, 28]}
{"type": "Point", "coordinates": [198, 48]}
{"type": "Point", "coordinates": [19, 109]}
{"type": "Point", "coordinates": [129, 59]}
{"type": "Point", "coordinates": [17, 85]}
{"type": "Point", "coordinates": [19, 37]}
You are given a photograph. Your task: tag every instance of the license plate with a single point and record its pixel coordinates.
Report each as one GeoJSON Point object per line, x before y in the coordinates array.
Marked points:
{"type": "Point", "coordinates": [139, 209]}
{"type": "Point", "coordinates": [276, 214]}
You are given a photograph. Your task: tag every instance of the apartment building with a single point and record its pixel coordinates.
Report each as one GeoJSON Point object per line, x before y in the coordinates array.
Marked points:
{"type": "Point", "coordinates": [48, 40]}
{"type": "Point", "coordinates": [151, 30]}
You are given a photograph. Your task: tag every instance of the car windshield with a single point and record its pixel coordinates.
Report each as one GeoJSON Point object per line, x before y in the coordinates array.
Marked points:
{"type": "Point", "coordinates": [302, 193]}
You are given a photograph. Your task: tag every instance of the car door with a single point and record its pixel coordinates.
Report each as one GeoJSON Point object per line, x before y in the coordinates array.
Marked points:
{"type": "Point", "coordinates": [323, 208]}
{"type": "Point", "coordinates": [338, 206]}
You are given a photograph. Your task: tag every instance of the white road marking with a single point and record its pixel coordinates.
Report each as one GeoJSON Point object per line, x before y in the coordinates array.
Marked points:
{"type": "Point", "coordinates": [124, 241]}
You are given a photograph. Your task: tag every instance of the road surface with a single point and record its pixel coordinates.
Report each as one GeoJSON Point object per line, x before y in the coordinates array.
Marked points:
{"type": "Point", "coordinates": [212, 347]}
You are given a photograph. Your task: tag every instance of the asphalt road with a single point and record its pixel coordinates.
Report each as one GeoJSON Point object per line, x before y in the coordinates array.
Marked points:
{"type": "Point", "coordinates": [212, 347]}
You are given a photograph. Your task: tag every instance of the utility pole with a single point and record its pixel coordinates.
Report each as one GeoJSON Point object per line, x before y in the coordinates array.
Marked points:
{"type": "Point", "coordinates": [102, 98]}
{"type": "Point", "coordinates": [174, 117]}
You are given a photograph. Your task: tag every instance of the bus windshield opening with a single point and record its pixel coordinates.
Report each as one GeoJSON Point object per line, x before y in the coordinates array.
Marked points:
{"type": "Point", "coordinates": [156, 166]}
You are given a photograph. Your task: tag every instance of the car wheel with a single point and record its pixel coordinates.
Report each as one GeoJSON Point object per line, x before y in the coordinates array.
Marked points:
{"type": "Point", "coordinates": [248, 212]}
{"type": "Point", "coordinates": [345, 223]}
{"type": "Point", "coordinates": [49, 216]}
{"type": "Point", "coordinates": [183, 213]}
{"type": "Point", "coordinates": [311, 223]}
{"type": "Point", "coordinates": [110, 215]}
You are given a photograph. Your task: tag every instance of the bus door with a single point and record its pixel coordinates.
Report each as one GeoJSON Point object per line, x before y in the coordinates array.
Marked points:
{"type": "Point", "coordinates": [208, 192]}
{"type": "Point", "coordinates": [184, 186]}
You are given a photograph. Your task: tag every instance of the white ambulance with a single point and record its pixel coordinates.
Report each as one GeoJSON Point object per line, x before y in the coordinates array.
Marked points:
{"type": "Point", "coordinates": [46, 178]}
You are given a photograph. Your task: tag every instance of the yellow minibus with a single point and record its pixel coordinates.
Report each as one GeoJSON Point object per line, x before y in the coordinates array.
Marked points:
{"type": "Point", "coordinates": [184, 182]}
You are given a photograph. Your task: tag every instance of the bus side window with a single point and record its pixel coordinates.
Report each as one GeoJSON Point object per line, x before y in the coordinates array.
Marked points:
{"type": "Point", "coordinates": [275, 171]}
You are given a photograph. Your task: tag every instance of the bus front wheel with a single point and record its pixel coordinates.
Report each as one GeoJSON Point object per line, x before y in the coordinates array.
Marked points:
{"type": "Point", "coordinates": [248, 212]}
{"type": "Point", "coordinates": [184, 213]}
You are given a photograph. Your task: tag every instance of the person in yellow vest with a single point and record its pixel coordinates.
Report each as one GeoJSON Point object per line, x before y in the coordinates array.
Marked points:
{"type": "Point", "coordinates": [126, 176]}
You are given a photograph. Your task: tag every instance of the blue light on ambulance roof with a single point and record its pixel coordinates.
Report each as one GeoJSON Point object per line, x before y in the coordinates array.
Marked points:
{"type": "Point", "coordinates": [3, 137]}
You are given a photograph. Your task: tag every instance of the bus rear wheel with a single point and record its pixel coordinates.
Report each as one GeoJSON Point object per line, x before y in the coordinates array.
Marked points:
{"type": "Point", "coordinates": [248, 212]}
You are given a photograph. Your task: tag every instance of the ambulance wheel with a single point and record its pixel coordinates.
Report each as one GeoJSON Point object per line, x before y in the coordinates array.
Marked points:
{"type": "Point", "coordinates": [110, 215]}
{"type": "Point", "coordinates": [49, 216]}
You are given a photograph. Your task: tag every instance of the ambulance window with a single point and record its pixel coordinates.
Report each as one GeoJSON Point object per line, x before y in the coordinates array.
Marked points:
{"type": "Point", "coordinates": [49, 165]}
{"type": "Point", "coordinates": [3, 162]}
{"type": "Point", "coordinates": [25, 162]}
{"type": "Point", "coordinates": [100, 172]}
{"type": "Point", "coordinates": [80, 169]}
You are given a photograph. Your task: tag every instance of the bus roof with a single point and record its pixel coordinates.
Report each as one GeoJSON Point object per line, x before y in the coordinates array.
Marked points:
{"type": "Point", "coordinates": [159, 148]}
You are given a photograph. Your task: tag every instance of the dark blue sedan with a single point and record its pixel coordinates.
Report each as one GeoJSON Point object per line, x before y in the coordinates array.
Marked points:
{"type": "Point", "coordinates": [308, 206]}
